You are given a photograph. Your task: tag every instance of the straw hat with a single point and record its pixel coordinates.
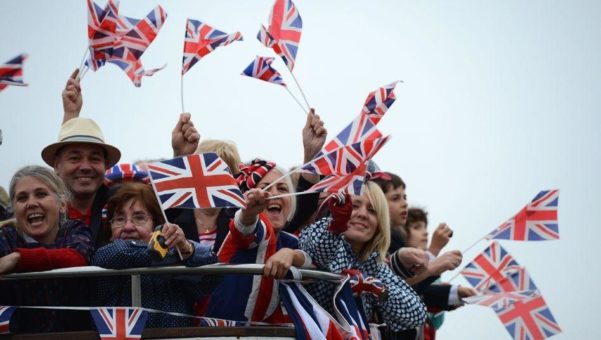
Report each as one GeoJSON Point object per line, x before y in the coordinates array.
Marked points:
{"type": "Point", "coordinates": [78, 131]}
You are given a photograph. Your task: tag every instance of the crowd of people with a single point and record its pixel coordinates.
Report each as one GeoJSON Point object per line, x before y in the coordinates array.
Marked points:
{"type": "Point", "coordinates": [86, 208]}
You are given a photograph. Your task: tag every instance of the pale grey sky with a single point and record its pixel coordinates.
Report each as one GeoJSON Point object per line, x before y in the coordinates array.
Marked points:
{"type": "Point", "coordinates": [500, 100]}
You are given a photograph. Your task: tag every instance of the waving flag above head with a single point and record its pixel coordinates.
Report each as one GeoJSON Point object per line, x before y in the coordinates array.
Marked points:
{"type": "Point", "coordinates": [284, 32]}
{"type": "Point", "coordinates": [122, 40]}
{"type": "Point", "coordinates": [202, 39]}
{"type": "Point", "coordinates": [195, 181]}
{"type": "Point", "coordinates": [379, 101]}
{"type": "Point", "coordinates": [261, 69]}
{"type": "Point", "coordinates": [528, 318]}
{"type": "Point", "coordinates": [345, 159]}
{"type": "Point", "coordinates": [102, 32]}
{"type": "Point", "coordinates": [361, 128]}
{"type": "Point", "coordinates": [11, 73]}
{"type": "Point", "coordinates": [337, 184]}
{"type": "Point", "coordinates": [119, 323]}
{"type": "Point", "coordinates": [537, 221]}
{"type": "Point", "coordinates": [5, 314]}
{"type": "Point", "coordinates": [495, 270]}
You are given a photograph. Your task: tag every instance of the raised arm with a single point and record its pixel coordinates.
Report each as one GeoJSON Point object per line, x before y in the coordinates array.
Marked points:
{"type": "Point", "coordinates": [72, 98]}
{"type": "Point", "coordinates": [184, 137]}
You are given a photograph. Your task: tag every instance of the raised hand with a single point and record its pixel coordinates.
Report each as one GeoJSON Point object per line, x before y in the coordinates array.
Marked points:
{"type": "Point", "coordinates": [184, 137]}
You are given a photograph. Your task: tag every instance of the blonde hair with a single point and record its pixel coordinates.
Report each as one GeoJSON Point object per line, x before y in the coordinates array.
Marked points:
{"type": "Point", "coordinates": [226, 150]}
{"type": "Point", "coordinates": [381, 240]}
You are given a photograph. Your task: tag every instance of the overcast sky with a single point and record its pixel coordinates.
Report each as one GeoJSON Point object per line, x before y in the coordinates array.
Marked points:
{"type": "Point", "coordinates": [500, 100]}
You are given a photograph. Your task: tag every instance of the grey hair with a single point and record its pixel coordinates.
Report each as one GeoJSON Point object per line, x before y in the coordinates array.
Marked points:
{"type": "Point", "coordinates": [46, 176]}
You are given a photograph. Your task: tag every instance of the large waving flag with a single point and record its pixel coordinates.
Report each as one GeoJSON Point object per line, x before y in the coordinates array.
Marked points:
{"type": "Point", "coordinates": [202, 39]}
{"type": "Point", "coordinates": [338, 184]}
{"type": "Point", "coordinates": [119, 323]}
{"type": "Point", "coordinates": [11, 73]}
{"type": "Point", "coordinates": [311, 321]}
{"type": "Point", "coordinates": [102, 32]}
{"type": "Point", "coordinates": [495, 270]}
{"type": "Point", "coordinates": [528, 318]}
{"type": "Point", "coordinates": [344, 160]}
{"type": "Point", "coordinates": [122, 40]}
{"type": "Point", "coordinates": [284, 31]}
{"type": "Point", "coordinates": [261, 69]}
{"type": "Point", "coordinates": [537, 221]}
{"type": "Point", "coordinates": [5, 313]}
{"type": "Point", "coordinates": [195, 181]}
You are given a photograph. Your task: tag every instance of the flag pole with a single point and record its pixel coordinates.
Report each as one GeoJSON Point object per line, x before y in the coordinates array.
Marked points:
{"type": "Point", "coordinates": [81, 73]}
{"type": "Point", "coordinates": [301, 89]}
{"type": "Point", "coordinates": [296, 100]}
{"type": "Point", "coordinates": [281, 178]}
{"type": "Point", "coordinates": [83, 61]}
{"type": "Point", "coordinates": [474, 244]}
{"type": "Point", "coordinates": [154, 188]}
{"type": "Point", "coordinates": [293, 194]}
{"type": "Point", "coordinates": [182, 91]}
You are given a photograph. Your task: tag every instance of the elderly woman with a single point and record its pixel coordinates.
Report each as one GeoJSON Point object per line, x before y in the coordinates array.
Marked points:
{"type": "Point", "coordinates": [133, 213]}
{"type": "Point", "coordinates": [257, 233]}
{"type": "Point", "coordinates": [42, 239]}
{"type": "Point", "coordinates": [359, 241]}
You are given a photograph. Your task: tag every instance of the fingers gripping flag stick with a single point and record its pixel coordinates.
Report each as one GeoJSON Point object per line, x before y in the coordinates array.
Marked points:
{"type": "Point", "coordinates": [261, 69]}
{"type": "Point", "coordinates": [537, 221]}
{"type": "Point", "coordinates": [11, 73]}
{"type": "Point", "coordinates": [195, 181]}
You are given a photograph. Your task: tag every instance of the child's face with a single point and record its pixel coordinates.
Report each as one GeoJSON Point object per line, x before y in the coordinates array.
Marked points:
{"type": "Point", "coordinates": [417, 235]}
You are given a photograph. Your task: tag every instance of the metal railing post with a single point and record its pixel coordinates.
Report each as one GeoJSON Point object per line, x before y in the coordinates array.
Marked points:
{"type": "Point", "coordinates": [136, 292]}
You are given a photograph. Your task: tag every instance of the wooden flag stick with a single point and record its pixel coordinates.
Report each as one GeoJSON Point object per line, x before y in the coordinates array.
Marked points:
{"type": "Point", "coordinates": [83, 61]}
{"type": "Point", "coordinates": [182, 92]}
{"type": "Point", "coordinates": [465, 251]}
{"type": "Point", "coordinates": [296, 100]}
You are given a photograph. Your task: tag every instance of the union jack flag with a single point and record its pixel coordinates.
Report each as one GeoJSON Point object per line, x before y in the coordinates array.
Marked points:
{"type": "Point", "coordinates": [284, 32]}
{"type": "Point", "coordinates": [361, 128]}
{"type": "Point", "coordinates": [528, 319]}
{"type": "Point", "coordinates": [261, 68]}
{"type": "Point", "coordinates": [311, 321]}
{"type": "Point", "coordinates": [537, 221]}
{"type": "Point", "coordinates": [127, 61]}
{"type": "Point", "coordinates": [125, 172]}
{"type": "Point", "coordinates": [379, 101]}
{"type": "Point", "coordinates": [102, 28]}
{"type": "Point", "coordinates": [202, 39]}
{"type": "Point", "coordinates": [119, 323]}
{"type": "Point", "coordinates": [345, 159]}
{"type": "Point", "coordinates": [214, 322]}
{"type": "Point", "coordinates": [11, 73]}
{"type": "Point", "coordinates": [500, 300]}
{"type": "Point", "coordinates": [368, 284]}
{"type": "Point", "coordinates": [195, 181]}
{"type": "Point", "coordinates": [122, 40]}
{"type": "Point", "coordinates": [337, 184]}
{"type": "Point", "coordinates": [349, 312]}
{"type": "Point", "coordinates": [496, 270]}
{"type": "Point", "coordinates": [5, 313]}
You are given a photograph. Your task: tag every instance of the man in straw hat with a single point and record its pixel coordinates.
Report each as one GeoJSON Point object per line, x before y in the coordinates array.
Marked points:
{"type": "Point", "coordinates": [81, 157]}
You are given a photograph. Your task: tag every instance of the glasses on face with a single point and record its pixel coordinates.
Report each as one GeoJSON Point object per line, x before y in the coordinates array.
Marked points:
{"type": "Point", "coordinates": [139, 220]}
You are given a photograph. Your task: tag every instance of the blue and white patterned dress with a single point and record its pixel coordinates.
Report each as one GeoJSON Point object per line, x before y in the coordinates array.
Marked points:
{"type": "Point", "coordinates": [403, 309]}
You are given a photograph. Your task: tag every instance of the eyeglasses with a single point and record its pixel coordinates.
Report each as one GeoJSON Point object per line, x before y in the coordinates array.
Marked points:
{"type": "Point", "coordinates": [138, 220]}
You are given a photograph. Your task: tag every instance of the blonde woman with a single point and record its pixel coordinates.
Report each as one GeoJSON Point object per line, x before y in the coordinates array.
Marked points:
{"type": "Point", "coordinates": [360, 242]}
